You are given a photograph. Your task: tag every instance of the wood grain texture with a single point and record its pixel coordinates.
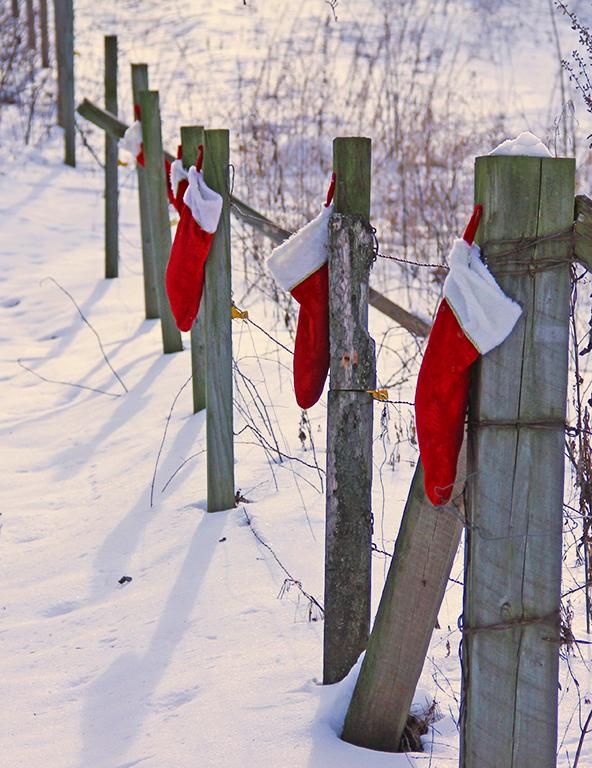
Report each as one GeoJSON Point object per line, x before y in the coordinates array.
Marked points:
{"type": "Point", "coordinates": [515, 479]}
{"type": "Point", "coordinates": [111, 163]}
{"type": "Point", "coordinates": [348, 532]}
{"type": "Point", "coordinates": [140, 83]}
{"type": "Point", "coordinates": [191, 137]}
{"type": "Point", "coordinates": [425, 548]}
{"type": "Point", "coordinates": [218, 331]}
{"type": "Point", "coordinates": [159, 213]}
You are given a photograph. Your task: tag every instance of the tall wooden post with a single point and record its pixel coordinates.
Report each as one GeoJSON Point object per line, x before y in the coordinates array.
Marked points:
{"type": "Point", "coordinates": [217, 315]}
{"type": "Point", "coordinates": [111, 160]}
{"type": "Point", "coordinates": [515, 474]}
{"type": "Point", "coordinates": [64, 22]}
{"type": "Point", "coordinates": [191, 137]}
{"type": "Point", "coordinates": [44, 29]}
{"type": "Point", "coordinates": [159, 213]}
{"type": "Point", "coordinates": [348, 536]}
{"type": "Point", "coordinates": [140, 83]}
{"type": "Point", "coordinates": [425, 548]}
{"type": "Point", "coordinates": [31, 41]}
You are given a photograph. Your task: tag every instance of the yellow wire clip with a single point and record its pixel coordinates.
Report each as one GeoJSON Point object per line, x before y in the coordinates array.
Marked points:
{"type": "Point", "coordinates": [239, 314]}
{"type": "Point", "coordinates": [123, 163]}
{"type": "Point", "coordinates": [378, 394]}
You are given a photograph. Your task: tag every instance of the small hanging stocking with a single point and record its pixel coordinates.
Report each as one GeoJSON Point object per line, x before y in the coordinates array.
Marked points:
{"type": "Point", "coordinates": [300, 266]}
{"type": "Point", "coordinates": [200, 213]}
{"type": "Point", "coordinates": [474, 317]}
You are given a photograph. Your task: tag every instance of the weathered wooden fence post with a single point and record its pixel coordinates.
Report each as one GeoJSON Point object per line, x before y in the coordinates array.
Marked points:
{"type": "Point", "coordinates": [425, 548]}
{"type": "Point", "coordinates": [111, 159]}
{"type": "Point", "coordinates": [140, 83]}
{"type": "Point", "coordinates": [348, 536]}
{"type": "Point", "coordinates": [31, 40]}
{"type": "Point", "coordinates": [515, 473]}
{"type": "Point", "coordinates": [217, 315]}
{"type": "Point", "coordinates": [191, 137]}
{"type": "Point", "coordinates": [64, 23]}
{"type": "Point", "coordinates": [44, 28]}
{"type": "Point", "coordinates": [158, 213]}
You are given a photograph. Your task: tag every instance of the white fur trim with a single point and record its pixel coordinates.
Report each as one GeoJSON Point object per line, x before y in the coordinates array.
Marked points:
{"type": "Point", "coordinates": [177, 174]}
{"type": "Point", "coordinates": [132, 139]}
{"type": "Point", "coordinates": [205, 204]}
{"type": "Point", "coordinates": [485, 313]}
{"type": "Point", "coordinates": [303, 253]}
{"type": "Point", "coordinates": [525, 144]}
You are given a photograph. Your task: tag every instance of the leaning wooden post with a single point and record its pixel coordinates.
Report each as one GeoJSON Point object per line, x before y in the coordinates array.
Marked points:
{"type": "Point", "coordinates": [348, 536]}
{"type": "Point", "coordinates": [159, 213]}
{"type": "Point", "coordinates": [31, 41]}
{"type": "Point", "coordinates": [44, 28]}
{"type": "Point", "coordinates": [64, 20]}
{"type": "Point", "coordinates": [217, 315]}
{"type": "Point", "coordinates": [425, 548]}
{"type": "Point", "coordinates": [111, 160]}
{"type": "Point", "coordinates": [140, 83]}
{"type": "Point", "coordinates": [191, 137]}
{"type": "Point", "coordinates": [515, 473]}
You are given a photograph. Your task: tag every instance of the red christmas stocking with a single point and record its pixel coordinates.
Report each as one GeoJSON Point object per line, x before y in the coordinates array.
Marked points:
{"type": "Point", "coordinates": [200, 214]}
{"type": "Point", "coordinates": [300, 266]}
{"type": "Point", "coordinates": [474, 317]}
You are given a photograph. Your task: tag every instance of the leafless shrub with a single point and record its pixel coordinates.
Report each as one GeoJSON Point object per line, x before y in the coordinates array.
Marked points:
{"type": "Point", "coordinates": [25, 87]}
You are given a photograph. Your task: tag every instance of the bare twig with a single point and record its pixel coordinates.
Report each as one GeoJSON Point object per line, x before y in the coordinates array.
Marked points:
{"type": "Point", "coordinates": [166, 426]}
{"type": "Point", "coordinates": [85, 320]}
{"type": "Point", "coordinates": [290, 580]}
{"type": "Point", "coordinates": [180, 467]}
{"type": "Point", "coordinates": [67, 383]}
{"type": "Point", "coordinates": [582, 737]}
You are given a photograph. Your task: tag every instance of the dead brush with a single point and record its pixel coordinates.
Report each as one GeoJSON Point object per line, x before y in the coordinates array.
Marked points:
{"type": "Point", "coordinates": [417, 726]}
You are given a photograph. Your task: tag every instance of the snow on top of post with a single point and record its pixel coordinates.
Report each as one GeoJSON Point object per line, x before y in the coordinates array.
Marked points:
{"type": "Point", "coordinates": [526, 144]}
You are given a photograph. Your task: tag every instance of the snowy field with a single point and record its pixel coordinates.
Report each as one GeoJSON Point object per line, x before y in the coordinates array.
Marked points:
{"type": "Point", "coordinates": [208, 656]}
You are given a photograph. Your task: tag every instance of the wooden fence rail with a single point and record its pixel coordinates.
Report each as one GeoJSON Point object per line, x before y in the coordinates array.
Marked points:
{"type": "Point", "coordinates": [249, 216]}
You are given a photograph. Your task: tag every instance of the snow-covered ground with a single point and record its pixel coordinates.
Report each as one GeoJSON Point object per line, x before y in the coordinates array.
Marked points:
{"type": "Point", "coordinates": [207, 657]}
